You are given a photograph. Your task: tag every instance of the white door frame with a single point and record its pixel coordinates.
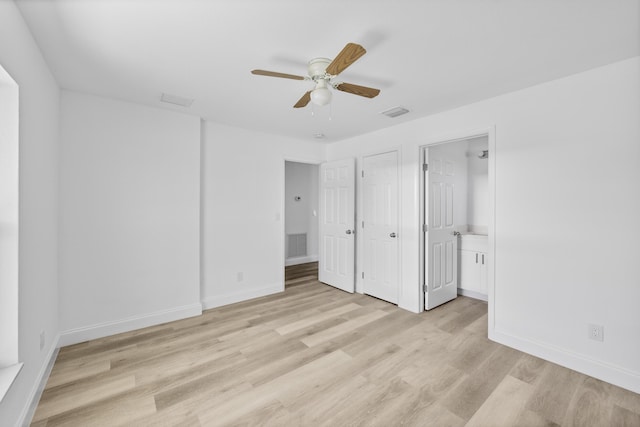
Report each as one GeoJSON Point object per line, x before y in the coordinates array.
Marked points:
{"type": "Point", "coordinates": [282, 209]}
{"type": "Point", "coordinates": [489, 132]}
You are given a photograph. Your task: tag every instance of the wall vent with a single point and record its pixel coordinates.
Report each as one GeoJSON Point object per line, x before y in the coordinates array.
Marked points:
{"type": "Point", "coordinates": [296, 245]}
{"type": "Point", "coordinates": [176, 100]}
{"type": "Point", "coordinates": [395, 112]}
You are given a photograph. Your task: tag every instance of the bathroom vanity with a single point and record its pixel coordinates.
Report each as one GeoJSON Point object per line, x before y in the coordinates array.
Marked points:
{"type": "Point", "coordinates": [473, 251]}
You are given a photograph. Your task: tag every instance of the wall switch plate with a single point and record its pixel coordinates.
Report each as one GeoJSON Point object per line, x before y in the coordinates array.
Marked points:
{"type": "Point", "coordinates": [240, 276]}
{"type": "Point", "coordinates": [42, 340]}
{"type": "Point", "coordinates": [596, 332]}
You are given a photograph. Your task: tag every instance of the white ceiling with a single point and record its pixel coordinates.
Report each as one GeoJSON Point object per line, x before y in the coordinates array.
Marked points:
{"type": "Point", "coordinates": [428, 56]}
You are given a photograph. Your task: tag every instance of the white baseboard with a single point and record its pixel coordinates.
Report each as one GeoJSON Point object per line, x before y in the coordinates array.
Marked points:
{"type": "Point", "coordinates": [300, 260]}
{"type": "Point", "coordinates": [472, 294]}
{"type": "Point", "coordinates": [77, 335]}
{"type": "Point", "coordinates": [612, 374]}
{"type": "Point", "coordinates": [33, 399]}
{"type": "Point", "coordinates": [244, 295]}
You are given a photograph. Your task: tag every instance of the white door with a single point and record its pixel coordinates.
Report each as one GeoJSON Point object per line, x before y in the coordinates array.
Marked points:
{"type": "Point", "coordinates": [441, 249]}
{"type": "Point", "coordinates": [337, 208]}
{"type": "Point", "coordinates": [380, 215]}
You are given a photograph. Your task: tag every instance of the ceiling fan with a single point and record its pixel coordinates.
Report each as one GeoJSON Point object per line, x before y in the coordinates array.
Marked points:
{"type": "Point", "coordinates": [323, 71]}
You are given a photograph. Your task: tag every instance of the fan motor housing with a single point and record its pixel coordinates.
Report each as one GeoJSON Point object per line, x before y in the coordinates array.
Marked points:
{"type": "Point", "coordinates": [317, 68]}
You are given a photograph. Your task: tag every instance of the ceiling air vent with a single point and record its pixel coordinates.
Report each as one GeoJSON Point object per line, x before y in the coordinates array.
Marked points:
{"type": "Point", "coordinates": [176, 100]}
{"type": "Point", "coordinates": [395, 112]}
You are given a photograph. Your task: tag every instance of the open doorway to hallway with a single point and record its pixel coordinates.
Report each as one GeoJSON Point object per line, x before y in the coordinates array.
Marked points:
{"type": "Point", "coordinates": [301, 222]}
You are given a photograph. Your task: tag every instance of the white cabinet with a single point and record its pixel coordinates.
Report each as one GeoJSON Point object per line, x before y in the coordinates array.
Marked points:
{"type": "Point", "coordinates": [472, 264]}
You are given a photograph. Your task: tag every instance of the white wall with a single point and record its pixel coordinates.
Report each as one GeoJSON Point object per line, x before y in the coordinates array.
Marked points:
{"type": "Point", "coordinates": [38, 188]}
{"type": "Point", "coordinates": [566, 206]}
{"type": "Point", "coordinates": [129, 216]}
{"type": "Point", "coordinates": [477, 185]}
{"type": "Point", "coordinates": [243, 211]}
{"type": "Point", "coordinates": [301, 179]}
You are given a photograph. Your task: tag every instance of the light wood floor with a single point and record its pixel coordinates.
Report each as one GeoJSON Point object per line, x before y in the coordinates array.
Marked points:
{"type": "Point", "coordinates": [314, 355]}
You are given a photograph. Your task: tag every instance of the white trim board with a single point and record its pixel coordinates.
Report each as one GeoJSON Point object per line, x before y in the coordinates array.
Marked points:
{"type": "Point", "coordinates": [29, 409]}
{"type": "Point", "coordinates": [77, 335]}
{"type": "Point", "coordinates": [300, 260]}
{"type": "Point", "coordinates": [472, 294]}
{"type": "Point", "coordinates": [240, 296]}
{"type": "Point", "coordinates": [604, 371]}
{"type": "Point", "coordinates": [8, 375]}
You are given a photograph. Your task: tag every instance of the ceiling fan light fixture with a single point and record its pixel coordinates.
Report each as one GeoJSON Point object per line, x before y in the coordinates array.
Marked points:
{"type": "Point", "coordinates": [321, 95]}
{"type": "Point", "coordinates": [322, 71]}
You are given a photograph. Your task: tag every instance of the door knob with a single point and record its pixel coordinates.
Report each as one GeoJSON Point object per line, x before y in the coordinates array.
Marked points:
{"type": "Point", "coordinates": [455, 233]}
{"type": "Point", "coordinates": [392, 235]}
{"type": "Point", "coordinates": [349, 232]}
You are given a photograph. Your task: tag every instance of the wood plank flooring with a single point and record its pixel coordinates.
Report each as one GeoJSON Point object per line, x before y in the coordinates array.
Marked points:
{"type": "Point", "coordinates": [316, 356]}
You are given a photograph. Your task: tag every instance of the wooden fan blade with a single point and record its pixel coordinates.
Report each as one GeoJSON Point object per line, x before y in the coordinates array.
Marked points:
{"type": "Point", "coordinates": [346, 57]}
{"type": "Point", "coordinates": [367, 92]}
{"type": "Point", "coordinates": [302, 102]}
{"type": "Point", "coordinates": [274, 74]}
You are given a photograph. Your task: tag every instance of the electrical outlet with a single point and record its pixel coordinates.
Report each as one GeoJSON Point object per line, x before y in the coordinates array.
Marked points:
{"type": "Point", "coordinates": [42, 340]}
{"type": "Point", "coordinates": [596, 332]}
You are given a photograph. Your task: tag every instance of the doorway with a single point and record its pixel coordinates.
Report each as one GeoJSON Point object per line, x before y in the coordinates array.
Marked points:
{"type": "Point", "coordinates": [458, 220]}
{"type": "Point", "coordinates": [9, 218]}
{"type": "Point", "coordinates": [300, 222]}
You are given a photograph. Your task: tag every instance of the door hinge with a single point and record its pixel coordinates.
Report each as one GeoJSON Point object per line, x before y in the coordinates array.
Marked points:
{"type": "Point", "coordinates": [425, 228]}
{"type": "Point", "coordinates": [363, 173]}
{"type": "Point", "coordinates": [362, 224]}
{"type": "Point", "coordinates": [425, 288]}
{"type": "Point", "coordinates": [363, 274]}
{"type": "Point", "coordinates": [425, 167]}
